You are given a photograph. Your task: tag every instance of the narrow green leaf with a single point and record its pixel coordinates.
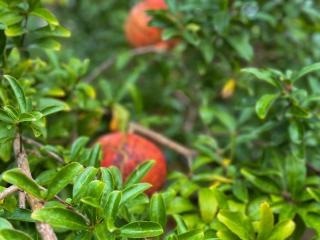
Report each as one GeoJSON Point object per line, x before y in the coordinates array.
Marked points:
{"type": "Point", "coordinates": [4, 117]}
{"type": "Point", "coordinates": [133, 191]}
{"type": "Point", "coordinates": [112, 208]}
{"type": "Point", "coordinates": [77, 146]}
{"type": "Point", "coordinates": [60, 218]}
{"type": "Point", "coordinates": [82, 182]}
{"type": "Point", "coordinates": [18, 92]}
{"type": "Point", "coordinates": [266, 221]}
{"type": "Point", "coordinates": [181, 225]}
{"type": "Point", "coordinates": [262, 74]}
{"type": "Point", "coordinates": [63, 178]}
{"type": "Point", "coordinates": [45, 14]}
{"type": "Point", "coordinates": [208, 204]}
{"type": "Point", "coordinates": [141, 230]}
{"type": "Point", "coordinates": [282, 230]}
{"type": "Point", "coordinates": [264, 104]}
{"type": "Point", "coordinates": [141, 170]}
{"type": "Point", "coordinates": [308, 69]}
{"type": "Point", "coordinates": [11, 234]}
{"type": "Point", "coordinates": [18, 178]}
{"type": "Point", "coordinates": [264, 184]}
{"type": "Point", "coordinates": [226, 235]}
{"type": "Point", "coordinates": [52, 109]}
{"type": "Point", "coordinates": [158, 210]}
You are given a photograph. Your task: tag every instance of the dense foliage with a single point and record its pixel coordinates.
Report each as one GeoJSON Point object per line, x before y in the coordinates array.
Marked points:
{"type": "Point", "coordinates": [241, 89]}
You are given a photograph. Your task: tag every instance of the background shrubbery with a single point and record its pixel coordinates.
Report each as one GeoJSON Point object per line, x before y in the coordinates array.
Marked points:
{"type": "Point", "coordinates": [241, 89]}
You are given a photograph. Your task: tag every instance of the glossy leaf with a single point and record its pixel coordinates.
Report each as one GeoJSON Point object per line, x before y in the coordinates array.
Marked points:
{"type": "Point", "coordinates": [264, 104]}
{"type": "Point", "coordinates": [60, 218]}
{"type": "Point", "coordinates": [63, 178]}
{"type": "Point", "coordinates": [18, 178]}
{"type": "Point", "coordinates": [141, 230]}
{"type": "Point", "coordinates": [112, 209]}
{"type": "Point", "coordinates": [208, 204]}
{"type": "Point", "coordinates": [8, 234]}
{"type": "Point", "coordinates": [157, 210]}
{"type": "Point", "coordinates": [18, 92]}
{"type": "Point", "coordinates": [141, 170]}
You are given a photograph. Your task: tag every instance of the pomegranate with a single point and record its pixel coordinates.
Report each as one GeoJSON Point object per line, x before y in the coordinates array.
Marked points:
{"type": "Point", "coordinates": [127, 151]}
{"type": "Point", "coordinates": [138, 33]}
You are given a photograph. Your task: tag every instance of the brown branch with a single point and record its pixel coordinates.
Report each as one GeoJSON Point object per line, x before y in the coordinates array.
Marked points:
{"type": "Point", "coordinates": [45, 230]}
{"type": "Point", "coordinates": [188, 153]}
{"type": "Point", "coordinates": [8, 191]}
{"type": "Point", "coordinates": [109, 62]}
{"type": "Point", "coordinates": [40, 145]}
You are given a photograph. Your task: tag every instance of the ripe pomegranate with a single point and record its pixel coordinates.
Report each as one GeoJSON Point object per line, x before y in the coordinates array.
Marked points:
{"type": "Point", "coordinates": [138, 33]}
{"type": "Point", "coordinates": [126, 151]}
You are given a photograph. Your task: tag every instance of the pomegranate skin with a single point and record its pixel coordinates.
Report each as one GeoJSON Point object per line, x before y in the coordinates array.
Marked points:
{"type": "Point", "coordinates": [137, 31]}
{"type": "Point", "coordinates": [127, 151]}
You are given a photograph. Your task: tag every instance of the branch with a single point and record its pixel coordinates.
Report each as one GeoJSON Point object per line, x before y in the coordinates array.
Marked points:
{"type": "Point", "coordinates": [8, 191]}
{"type": "Point", "coordinates": [188, 153]}
{"type": "Point", "coordinates": [45, 230]}
{"type": "Point", "coordinates": [109, 62]}
{"type": "Point", "coordinates": [40, 145]}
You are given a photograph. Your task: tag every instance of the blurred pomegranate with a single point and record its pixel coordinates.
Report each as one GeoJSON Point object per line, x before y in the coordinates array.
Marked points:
{"type": "Point", "coordinates": [138, 33]}
{"type": "Point", "coordinates": [127, 151]}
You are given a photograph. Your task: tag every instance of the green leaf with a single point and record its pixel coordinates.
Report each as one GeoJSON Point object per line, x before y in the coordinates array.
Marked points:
{"type": "Point", "coordinates": [52, 109]}
{"type": "Point", "coordinates": [226, 235]}
{"type": "Point", "coordinates": [141, 230]}
{"type": "Point", "coordinates": [101, 232]}
{"type": "Point", "coordinates": [112, 208]}
{"type": "Point", "coordinates": [77, 147]}
{"type": "Point", "coordinates": [180, 205]}
{"type": "Point", "coordinates": [266, 221]}
{"type": "Point", "coordinates": [157, 210]}
{"type": "Point", "coordinates": [63, 178]}
{"type": "Point", "coordinates": [45, 15]}
{"type": "Point", "coordinates": [133, 191]}
{"type": "Point", "coordinates": [261, 74]}
{"type": "Point", "coordinates": [47, 31]}
{"type": "Point", "coordinates": [82, 182]}
{"type": "Point", "coordinates": [10, 18]}
{"type": "Point", "coordinates": [295, 174]}
{"type": "Point", "coordinates": [264, 184]}
{"type": "Point", "coordinates": [18, 92]}
{"type": "Point", "coordinates": [240, 190]}
{"type": "Point", "coordinates": [139, 173]}
{"type": "Point", "coordinates": [193, 234]}
{"type": "Point", "coordinates": [14, 31]}
{"type": "Point", "coordinates": [237, 223]}
{"type": "Point", "coordinates": [5, 224]}
{"type": "Point", "coordinates": [18, 178]}
{"type": "Point", "coordinates": [282, 230]}
{"type": "Point", "coordinates": [181, 225]}
{"type": "Point", "coordinates": [308, 69]}
{"type": "Point", "coordinates": [11, 234]}
{"type": "Point", "coordinates": [60, 218]}
{"type": "Point", "coordinates": [264, 104]}
{"type": "Point", "coordinates": [4, 117]}
{"type": "Point", "coordinates": [208, 204]}
{"type": "Point", "coordinates": [241, 43]}
{"type": "Point", "coordinates": [18, 214]}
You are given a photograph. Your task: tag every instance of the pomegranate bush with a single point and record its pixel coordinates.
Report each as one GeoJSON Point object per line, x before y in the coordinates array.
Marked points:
{"type": "Point", "coordinates": [155, 119]}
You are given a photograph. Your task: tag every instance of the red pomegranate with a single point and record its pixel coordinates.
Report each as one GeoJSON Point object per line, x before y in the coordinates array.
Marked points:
{"type": "Point", "coordinates": [138, 33]}
{"type": "Point", "coordinates": [126, 151]}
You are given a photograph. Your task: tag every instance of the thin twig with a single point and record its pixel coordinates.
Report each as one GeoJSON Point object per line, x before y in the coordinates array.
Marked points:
{"type": "Point", "coordinates": [188, 153]}
{"type": "Point", "coordinates": [40, 145]}
{"type": "Point", "coordinates": [8, 191]}
{"type": "Point", "coordinates": [109, 62]}
{"type": "Point", "coordinates": [45, 230]}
